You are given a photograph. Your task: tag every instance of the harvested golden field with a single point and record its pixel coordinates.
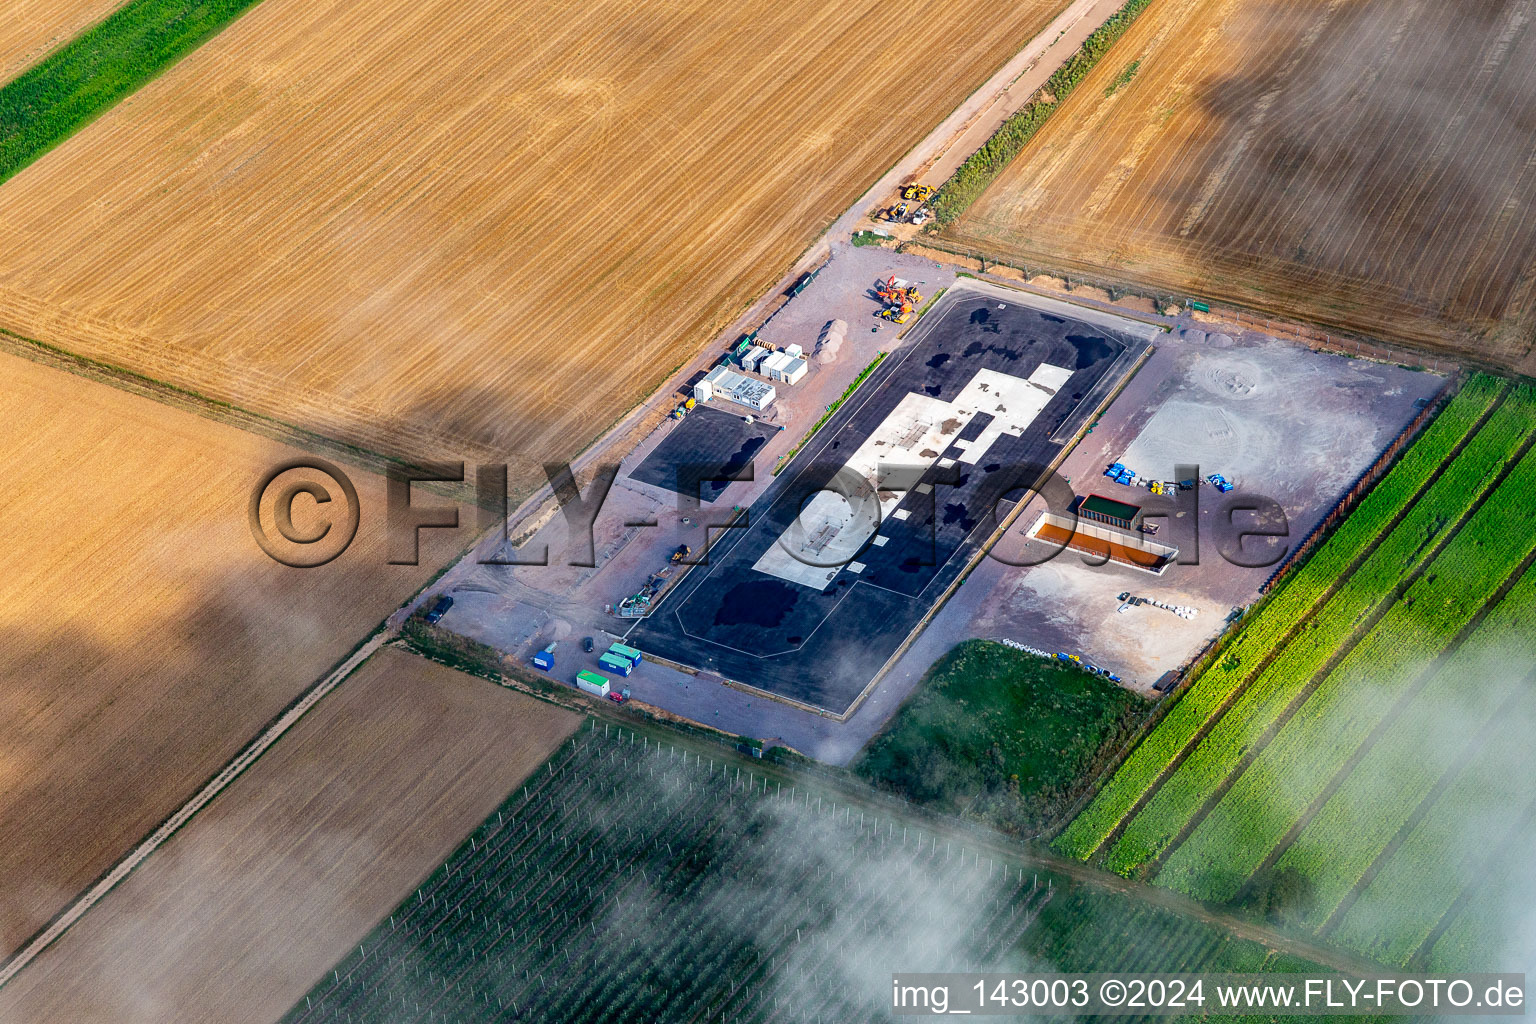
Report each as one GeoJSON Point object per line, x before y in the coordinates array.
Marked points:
{"type": "Point", "coordinates": [460, 230]}
{"type": "Point", "coordinates": [244, 909]}
{"type": "Point", "coordinates": [1369, 165]}
{"type": "Point", "coordinates": [30, 29]}
{"type": "Point", "coordinates": [146, 636]}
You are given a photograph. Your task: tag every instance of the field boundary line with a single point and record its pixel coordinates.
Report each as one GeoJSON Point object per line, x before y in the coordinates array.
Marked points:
{"type": "Point", "coordinates": [285, 720]}
{"type": "Point", "coordinates": [1284, 642]}
{"type": "Point", "coordinates": [1420, 811]}
{"type": "Point", "coordinates": [196, 403]}
{"type": "Point", "coordinates": [1494, 858]}
{"type": "Point", "coordinates": [1374, 736]}
{"type": "Point", "coordinates": [1377, 613]}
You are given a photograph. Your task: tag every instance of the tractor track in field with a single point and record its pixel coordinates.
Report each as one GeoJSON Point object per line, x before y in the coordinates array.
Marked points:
{"type": "Point", "coordinates": [1296, 628]}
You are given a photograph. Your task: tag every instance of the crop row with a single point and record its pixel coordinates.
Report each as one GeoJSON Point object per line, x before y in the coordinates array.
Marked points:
{"type": "Point", "coordinates": [1395, 559]}
{"type": "Point", "coordinates": [1491, 928]}
{"type": "Point", "coordinates": [516, 860]}
{"type": "Point", "coordinates": [1276, 617]}
{"type": "Point", "coordinates": [1402, 767]}
{"type": "Point", "coordinates": [629, 883]}
{"type": "Point", "coordinates": [1447, 850]}
{"type": "Point", "coordinates": [1289, 774]}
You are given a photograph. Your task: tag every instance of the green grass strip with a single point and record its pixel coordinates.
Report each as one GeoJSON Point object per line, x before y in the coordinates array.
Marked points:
{"type": "Point", "coordinates": [1274, 792]}
{"type": "Point", "coordinates": [972, 177]}
{"type": "Point", "coordinates": [955, 744]}
{"type": "Point", "coordinates": [864, 373]}
{"type": "Point", "coordinates": [1123, 78]}
{"type": "Point", "coordinates": [55, 98]}
{"type": "Point", "coordinates": [1295, 599]}
{"type": "Point", "coordinates": [1397, 557]}
{"type": "Point", "coordinates": [1456, 707]}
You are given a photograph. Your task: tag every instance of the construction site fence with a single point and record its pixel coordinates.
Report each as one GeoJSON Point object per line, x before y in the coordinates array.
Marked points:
{"type": "Point", "coordinates": [1316, 338]}
{"type": "Point", "coordinates": [1363, 483]}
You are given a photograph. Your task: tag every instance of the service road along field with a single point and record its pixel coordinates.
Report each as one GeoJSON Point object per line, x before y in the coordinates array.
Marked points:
{"type": "Point", "coordinates": [1318, 159]}
{"type": "Point", "coordinates": [247, 906]}
{"type": "Point", "coordinates": [31, 29]}
{"type": "Point", "coordinates": [147, 637]}
{"type": "Point", "coordinates": [459, 230]}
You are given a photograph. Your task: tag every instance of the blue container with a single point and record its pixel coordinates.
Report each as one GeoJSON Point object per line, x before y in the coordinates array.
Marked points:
{"type": "Point", "coordinates": [615, 664]}
{"type": "Point", "coordinates": [544, 660]}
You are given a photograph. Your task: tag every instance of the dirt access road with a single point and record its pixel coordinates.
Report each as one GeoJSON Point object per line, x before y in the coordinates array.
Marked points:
{"type": "Point", "coordinates": [933, 160]}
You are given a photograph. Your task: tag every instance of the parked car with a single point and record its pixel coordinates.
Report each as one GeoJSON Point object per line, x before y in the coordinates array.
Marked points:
{"type": "Point", "coordinates": [618, 696]}
{"type": "Point", "coordinates": [443, 604]}
{"type": "Point", "coordinates": [586, 644]}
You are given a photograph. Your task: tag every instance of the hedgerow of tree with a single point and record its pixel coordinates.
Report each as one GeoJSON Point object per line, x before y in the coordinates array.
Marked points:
{"type": "Point", "coordinates": [982, 166]}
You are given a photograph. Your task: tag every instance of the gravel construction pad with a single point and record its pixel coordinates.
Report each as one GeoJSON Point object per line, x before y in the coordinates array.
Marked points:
{"type": "Point", "coordinates": [823, 646]}
{"type": "Point", "coordinates": [703, 452]}
{"type": "Point", "coordinates": [1304, 425]}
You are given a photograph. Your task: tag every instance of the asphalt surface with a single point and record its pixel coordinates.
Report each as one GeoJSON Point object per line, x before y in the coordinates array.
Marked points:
{"type": "Point", "coordinates": [822, 647]}
{"type": "Point", "coordinates": [704, 452]}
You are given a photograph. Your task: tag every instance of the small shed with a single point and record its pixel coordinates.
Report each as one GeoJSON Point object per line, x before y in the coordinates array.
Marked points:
{"type": "Point", "coordinates": [1108, 510]}
{"type": "Point", "coordinates": [781, 366]}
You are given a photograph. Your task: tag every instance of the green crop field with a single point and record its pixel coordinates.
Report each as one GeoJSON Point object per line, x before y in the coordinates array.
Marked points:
{"type": "Point", "coordinates": [1002, 736]}
{"type": "Point", "coordinates": [1339, 764]}
{"type": "Point", "coordinates": [1280, 617]}
{"type": "Point", "coordinates": [49, 102]}
{"type": "Point", "coordinates": [1478, 934]}
{"type": "Point", "coordinates": [631, 881]}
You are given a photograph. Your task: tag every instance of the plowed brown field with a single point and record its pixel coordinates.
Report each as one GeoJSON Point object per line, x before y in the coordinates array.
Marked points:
{"type": "Point", "coordinates": [1367, 164]}
{"type": "Point", "coordinates": [450, 229]}
{"type": "Point", "coordinates": [30, 29]}
{"type": "Point", "coordinates": [145, 636]}
{"type": "Point", "coordinates": [239, 914]}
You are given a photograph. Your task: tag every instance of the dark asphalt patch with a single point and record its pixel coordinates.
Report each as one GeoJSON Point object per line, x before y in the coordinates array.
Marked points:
{"type": "Point", "coordinates": [704, 452]}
